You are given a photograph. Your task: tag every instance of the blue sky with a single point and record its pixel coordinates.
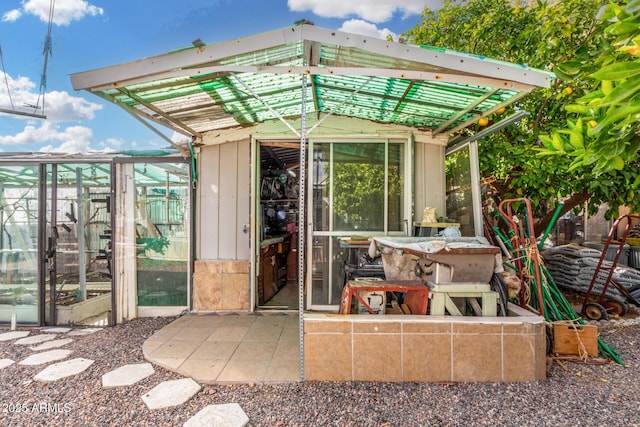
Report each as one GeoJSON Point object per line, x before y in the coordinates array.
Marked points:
{"type": "Point", "coordinates": [89, 34]}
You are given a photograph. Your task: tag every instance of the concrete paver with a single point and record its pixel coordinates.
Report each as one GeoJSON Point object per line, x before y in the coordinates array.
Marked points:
{"type": "Point", "coordinates": [55, 330]}
{"type": "Point", "coordinates": [225, 415]}
{"type": "Point", "coordinates": [83, 331]}
{"type": "Point", "coordinates": [6, 362]}
{"type": "Point", "coordinates": [35, 339]}
{"type": "Point", "coordinates": [46, 357]}
{"type": "Point", "coordinates": [64, 369]}
{"type": "Point", "coordinates": [171, 393]}
{"type": "Point", "coordinates": [8, 336]}
{"type": "Point", "coordinates": [52, 344]}
{"type": "Point", "coordinates": [127, 375]}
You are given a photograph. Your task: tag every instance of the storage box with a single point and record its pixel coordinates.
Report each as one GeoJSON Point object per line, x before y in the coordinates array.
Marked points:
{"type": "Point", "coordinates": [567, 339]}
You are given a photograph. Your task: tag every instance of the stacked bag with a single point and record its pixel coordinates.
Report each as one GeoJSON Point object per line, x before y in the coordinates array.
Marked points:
{"type": "Point", "coordinates": [572, 267]}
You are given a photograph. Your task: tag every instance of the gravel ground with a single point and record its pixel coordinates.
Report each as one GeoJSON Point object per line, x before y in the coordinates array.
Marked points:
{"type": "Point", "coordinates": [589, 395]}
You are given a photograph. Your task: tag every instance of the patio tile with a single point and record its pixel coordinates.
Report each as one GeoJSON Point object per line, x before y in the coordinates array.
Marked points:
{"type": "Point", "coordinates": [228, 333]}
{"type": "Point", "coordinates": [202, 370]}
{"type": "Point", "coordinates": [64, 369]}
{"type": "Point", "coordinates": [176, 349]}
{"type": "Point", "coordinates": [242, 371]}
{"type": "Point", "coordinates": [169, 362]}
{"type": "Point", "coordinates": [283, 370]}
{"type": "Point", "coordinates": [225, 415]}
{"type": "Point", "coordinates": [255, 351]}
{"type": "Point", "coordinates": [214, 350]}
{"type": "Point", "coordinates": [171, 393]}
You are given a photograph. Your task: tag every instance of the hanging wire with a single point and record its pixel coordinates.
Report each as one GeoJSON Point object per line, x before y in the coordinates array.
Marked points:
{"type": "Point", "coordinates": [6, 79]}
{"type": "Point", "coordinates": [46, 52]}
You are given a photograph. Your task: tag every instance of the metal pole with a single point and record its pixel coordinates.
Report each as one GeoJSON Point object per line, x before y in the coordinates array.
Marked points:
{"type": "Point", "coordinates": [302, 222]}
{"type": "Point", "coordinates": [82, 270]}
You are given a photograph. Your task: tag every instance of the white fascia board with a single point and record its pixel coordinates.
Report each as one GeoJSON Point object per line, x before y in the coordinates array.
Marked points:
{"type": "Point", "coordinates": [191, 57]}
{"type": "Point", "coordinates": [156, 67]}
{"type": "Point", "coordinates": [474, 79]}
{"type": "Point", "coordinates": [450, 60]}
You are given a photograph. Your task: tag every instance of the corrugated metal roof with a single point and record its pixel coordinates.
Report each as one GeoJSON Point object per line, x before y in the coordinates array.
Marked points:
{"type": "Point", "coordinates": [259, 78]}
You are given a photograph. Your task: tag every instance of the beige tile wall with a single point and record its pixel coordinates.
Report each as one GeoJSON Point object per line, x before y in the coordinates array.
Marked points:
{"type": "Point", "coordinates": [221, 285]}
{"type": "Point", "coordinates": [425, 349]}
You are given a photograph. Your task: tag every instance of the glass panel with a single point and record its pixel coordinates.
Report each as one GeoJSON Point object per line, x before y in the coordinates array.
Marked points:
{"type": "Point", "coordinates": [396, 187]}
{"type": "Point", "coordinates": [459, 200]}
{"type": "Point", "coordinates": [162, 233]}
{"type": "Point", "coordinates": [327, 277]}
{"type": "Point", "coordinates": [79, 236]}
{"type": "Point", "coordinates": [360, 187]}
{"type": "Point", "coordinates": [18, 245]}
{"type": "Point", "coordinates": [321, 187]}
{"type": "Point", "coordinates": [358, 179]}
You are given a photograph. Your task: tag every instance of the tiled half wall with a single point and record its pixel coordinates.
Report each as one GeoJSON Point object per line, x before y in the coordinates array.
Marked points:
{"type": "Point", "coordinates": [424, 348]}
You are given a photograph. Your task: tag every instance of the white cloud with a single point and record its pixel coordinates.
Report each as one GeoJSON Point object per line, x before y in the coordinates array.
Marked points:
{"type": "Point", "coordinates": [48, 131]}
{"type": "Point", "coordinates": [59, 105]}
{"type": "Point", "coordinates": [65, 11]}
{"type": "Point", "coordinates": [358, 26]}
{"type": "Point", "coordinates": [12, 15]}
{"type": "Point", "coordinates": [371, 10]}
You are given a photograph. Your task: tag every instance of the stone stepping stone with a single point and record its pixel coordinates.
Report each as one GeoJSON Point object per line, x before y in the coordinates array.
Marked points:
{"type": "Point", "coordinates": [55, 330]}
{"type": "Point", "coordinates": [8, 336]}
{"type": "Point", "coordinates": [84, 331]}
{"type": "Point", "coordinates": [226, 415]}
{"type": "Point", "coordinates": [35, 339]}
{"type": "Point", "coordinates": [45, 357]}
{"type": "Point", "coordinates": [6, 362]}
{"type": "Point", "coordinates": [171, 393]}
{"type": "Point", "coordinates": [52, 344]}
{"type": "Point", "coordinates": [64, 369]}
{"type": "Point", "coordinates": [127, 375]}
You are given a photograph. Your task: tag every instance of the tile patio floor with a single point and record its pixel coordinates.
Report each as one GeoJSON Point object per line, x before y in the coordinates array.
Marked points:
{"type": "Point", "coordinates": [229, 347]}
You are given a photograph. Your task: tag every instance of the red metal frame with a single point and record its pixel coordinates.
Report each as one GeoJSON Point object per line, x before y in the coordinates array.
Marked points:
{"type": "Point", "coordinates": [610, 241]}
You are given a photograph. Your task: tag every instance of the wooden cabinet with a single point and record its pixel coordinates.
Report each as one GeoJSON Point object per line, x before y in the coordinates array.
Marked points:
{"type": "Point", "coordinates": [274, 255]}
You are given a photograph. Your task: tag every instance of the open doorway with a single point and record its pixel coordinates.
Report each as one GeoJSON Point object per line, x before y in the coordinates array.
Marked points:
{"type": "Point", "coordinates": [277, 220]}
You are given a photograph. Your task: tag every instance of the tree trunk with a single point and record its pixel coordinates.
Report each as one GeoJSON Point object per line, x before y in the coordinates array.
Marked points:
{"type": "Point", "coordinates": [576, 199]}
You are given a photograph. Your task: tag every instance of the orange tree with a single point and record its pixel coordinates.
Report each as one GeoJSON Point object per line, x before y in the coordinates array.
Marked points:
{"type": "Point", "coordinates": [555, 35]}
{"type": "Point", "coordinates": [602, 132]}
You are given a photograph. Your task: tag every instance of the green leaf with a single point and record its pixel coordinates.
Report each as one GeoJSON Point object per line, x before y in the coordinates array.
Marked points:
{"type": "Point", "coordinates": [618, 163]}
{"type": "Point", "coordinates": [556, 141]}
{"type": "Point", "coordinates": [623, 91]}
{"type": "Point", "coordinates": [618, 71]}
{"type": "Point", "coordinates": [616, 115]}
{"type": "Point", "coordinates": [579, 109]}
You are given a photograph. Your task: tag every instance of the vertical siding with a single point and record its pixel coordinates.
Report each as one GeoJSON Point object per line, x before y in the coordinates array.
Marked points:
{"type": "Point", "coordinates": [223, 201]}
{"type": "Point", "coordinates": [429, 179]}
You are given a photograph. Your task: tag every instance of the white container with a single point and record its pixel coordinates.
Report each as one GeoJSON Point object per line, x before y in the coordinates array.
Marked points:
{"type": "Point", "coordinates": [377, 300]}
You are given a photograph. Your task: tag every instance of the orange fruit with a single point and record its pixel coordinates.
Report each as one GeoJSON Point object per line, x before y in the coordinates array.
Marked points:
{"type": "Point", "coordinates": [483, 122]}
{"type": "Point", "coordinates": [568, 90]}
{"type": "Point", "coordinates": [501, 110]}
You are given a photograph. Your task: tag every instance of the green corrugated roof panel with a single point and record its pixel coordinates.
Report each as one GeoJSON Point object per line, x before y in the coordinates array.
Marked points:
{"type": "Point", "coordinates": [203, 88]}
